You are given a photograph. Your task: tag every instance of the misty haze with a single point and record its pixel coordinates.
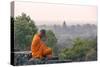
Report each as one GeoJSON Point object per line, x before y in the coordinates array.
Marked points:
{"type": "Point", "coordinates": [66, 33]}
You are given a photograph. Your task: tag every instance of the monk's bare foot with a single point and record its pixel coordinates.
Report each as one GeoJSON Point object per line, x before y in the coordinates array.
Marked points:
{"type": "Point", "coordinates": [49, 57]}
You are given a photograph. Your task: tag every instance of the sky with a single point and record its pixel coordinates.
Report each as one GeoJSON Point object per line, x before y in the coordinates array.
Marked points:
{"type": "Point", "coordinates": [49, 13]}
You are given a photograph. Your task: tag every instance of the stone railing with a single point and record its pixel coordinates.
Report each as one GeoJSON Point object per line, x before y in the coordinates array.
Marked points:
{"type": "Point", "coordinates": [25, 58]}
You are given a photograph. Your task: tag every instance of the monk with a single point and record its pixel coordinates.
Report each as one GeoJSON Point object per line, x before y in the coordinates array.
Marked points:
{"type": "Point", "coordinates": [39, 48]}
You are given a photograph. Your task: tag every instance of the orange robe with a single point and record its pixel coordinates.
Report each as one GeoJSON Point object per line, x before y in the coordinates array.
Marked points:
{"type": "Point", "coordinates": [39, 48]}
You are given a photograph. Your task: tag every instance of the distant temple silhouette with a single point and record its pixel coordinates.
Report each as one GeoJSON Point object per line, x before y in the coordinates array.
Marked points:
{"type": "Point", "coordinates": [64, 24]}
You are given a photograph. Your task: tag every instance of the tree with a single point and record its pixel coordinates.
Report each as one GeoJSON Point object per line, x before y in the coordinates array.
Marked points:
{"type": "Point", "coordinates": [83, 49]}
{"type": "Point", "coordinates": [24, 30]}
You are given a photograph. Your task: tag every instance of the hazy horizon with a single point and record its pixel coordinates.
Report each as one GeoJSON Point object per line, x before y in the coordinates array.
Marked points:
{"type": "Point", "coordinates": [50, 23]}
{"type": "Point", "coordinates": [55, 14]}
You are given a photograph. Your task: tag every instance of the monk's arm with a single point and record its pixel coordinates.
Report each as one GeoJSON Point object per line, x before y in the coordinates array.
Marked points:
{"type": "Point", "coordinates": [35, 41]}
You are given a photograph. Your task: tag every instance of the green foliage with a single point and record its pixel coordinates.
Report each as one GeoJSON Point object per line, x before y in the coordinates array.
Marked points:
{"type": "Point", "coordinates": [52, 41]}
{"type": "Point", "coordinates": [91, 55]}
{"type": "Point", "coordinates": [24, 29]}
{"type": "Point", "coordinates": [83, 49]}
